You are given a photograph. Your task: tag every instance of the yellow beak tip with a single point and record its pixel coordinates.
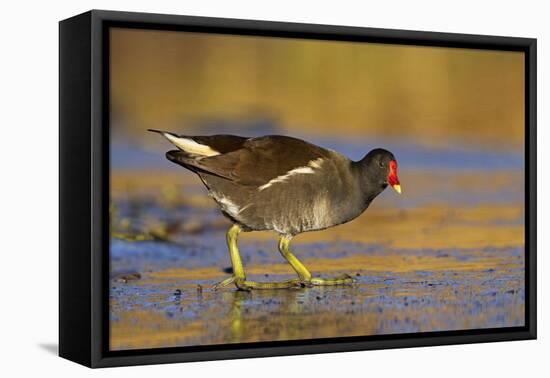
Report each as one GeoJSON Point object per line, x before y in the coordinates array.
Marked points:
{"type": "Point", "coordinates": [397, 188]}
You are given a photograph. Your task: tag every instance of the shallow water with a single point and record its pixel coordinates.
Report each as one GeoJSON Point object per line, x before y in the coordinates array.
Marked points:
{"type": "Point", "coordinates": [446, 255]}
{"type": "Point", "coordinates": [436, 284]}
{"type": "Point", "coordinates": [432, 290]}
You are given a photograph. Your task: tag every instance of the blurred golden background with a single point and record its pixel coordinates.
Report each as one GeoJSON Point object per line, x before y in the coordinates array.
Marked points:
{"type": "Point", "coordinates": [429, 95]}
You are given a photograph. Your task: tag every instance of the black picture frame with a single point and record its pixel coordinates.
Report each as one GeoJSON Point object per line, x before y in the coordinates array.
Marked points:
{"type": "Point", "coordinates": [84, 187]}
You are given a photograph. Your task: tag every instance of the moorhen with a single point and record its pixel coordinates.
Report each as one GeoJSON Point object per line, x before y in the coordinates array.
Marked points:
{"type": "Point", "coordinates": [282, 184]}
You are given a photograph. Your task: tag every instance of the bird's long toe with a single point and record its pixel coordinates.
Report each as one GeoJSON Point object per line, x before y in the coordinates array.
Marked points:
{"type": "Point", "coordinates": [224, 283]}
{"type": "Point", "coordinates": [254, 285]}
{"type": "Point", "coordinates": [344, 279]}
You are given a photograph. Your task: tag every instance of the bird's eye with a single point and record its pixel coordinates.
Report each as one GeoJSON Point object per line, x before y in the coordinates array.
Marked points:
{"type": "Point", "coordinates": [381, 164]}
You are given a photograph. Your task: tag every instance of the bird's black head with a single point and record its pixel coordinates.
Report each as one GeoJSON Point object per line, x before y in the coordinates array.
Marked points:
{"type": "Point", "coordinates": [379, 168]}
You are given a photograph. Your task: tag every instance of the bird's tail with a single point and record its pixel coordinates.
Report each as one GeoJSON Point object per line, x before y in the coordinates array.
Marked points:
{"type": "Point", "coordinates": [187, 143]}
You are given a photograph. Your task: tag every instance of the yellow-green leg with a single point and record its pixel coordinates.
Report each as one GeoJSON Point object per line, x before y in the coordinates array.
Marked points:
{"type": "Point", "coordinates": [238, 277]}
{"type": "Point", "coordinates": [303, 273]}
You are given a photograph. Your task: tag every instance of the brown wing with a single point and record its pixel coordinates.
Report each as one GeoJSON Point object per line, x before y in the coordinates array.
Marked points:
{"type": "Point", "coordinates": [261, 159]}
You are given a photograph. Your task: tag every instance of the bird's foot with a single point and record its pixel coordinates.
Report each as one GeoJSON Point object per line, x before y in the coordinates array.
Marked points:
{"type": "Point", "coordinates": [344, 279]}
{"type": "Point", "coordinates": [245, 285]}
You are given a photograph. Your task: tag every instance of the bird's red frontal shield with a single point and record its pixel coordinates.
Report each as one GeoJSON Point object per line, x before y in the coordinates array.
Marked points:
{"type": "Point", "coordinates": [392, 177]}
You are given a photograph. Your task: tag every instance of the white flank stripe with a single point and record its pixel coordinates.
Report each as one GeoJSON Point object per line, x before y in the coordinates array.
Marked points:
{"type": "Point", "coordinates": [190, 146]}
{"type": "Point", "coordinates": [296, 171]}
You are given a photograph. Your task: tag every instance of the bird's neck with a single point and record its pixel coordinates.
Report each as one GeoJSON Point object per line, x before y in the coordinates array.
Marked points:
{"type": "Point", "coordinates": [368, 186]}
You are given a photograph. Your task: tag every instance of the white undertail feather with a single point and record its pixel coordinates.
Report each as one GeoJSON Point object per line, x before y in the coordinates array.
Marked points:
{"type": "Point", "coordinates": [313, 164]}
{"type": "Point", "coordinates": [230, 207]}
{"type": "Point", "coordinates": [190, 146]}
